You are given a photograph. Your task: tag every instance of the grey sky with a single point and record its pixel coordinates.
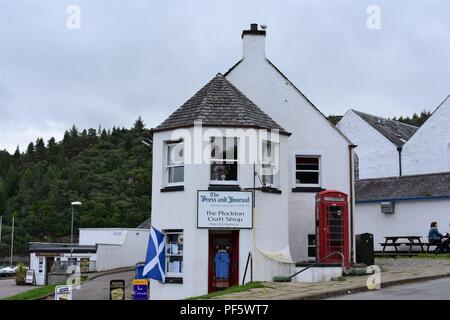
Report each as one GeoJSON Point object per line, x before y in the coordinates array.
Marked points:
{"type": "Point", "coordinates": [146, 58]}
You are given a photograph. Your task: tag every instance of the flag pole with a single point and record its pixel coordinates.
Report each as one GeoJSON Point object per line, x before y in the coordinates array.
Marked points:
{"type": "Point", "coordinates": [12, 242]}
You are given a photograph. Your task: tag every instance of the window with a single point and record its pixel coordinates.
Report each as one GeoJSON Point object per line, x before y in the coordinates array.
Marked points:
{"type": "Point", "coordinates": [174, 253]}
{"type": "Point", "coordinates": [224, 155]}
{"type": "Point", "coordinates": [268, 163]}
{"type": "Point", "coordinates": [311, 247]}
{"type": "Point", "coordinates": [175, 163]}
{"type": "Point", "coordinates": [307, 170]}
{"type": "Point", "coordinates": [41, 265]}
{"type": "Point", "coordinates": [356, 164]}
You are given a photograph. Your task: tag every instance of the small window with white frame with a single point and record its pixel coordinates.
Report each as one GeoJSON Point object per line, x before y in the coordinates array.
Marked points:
{"type": "Point", "coordinates": [174, 163]}
{"type": "Point", "coordinates": [174, 253]}
{"type": "Point", "coordinates": [307, 171]}
{"type": "Point", "coordinates": [269, 169]}
{"type": "Point", "coordinates": [224, 160]}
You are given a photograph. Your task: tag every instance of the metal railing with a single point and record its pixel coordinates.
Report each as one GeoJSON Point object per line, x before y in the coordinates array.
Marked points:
{"type": "Point", "coordinates": [317, 262]}
{"type": "Point", "coordinates": [249, 259]}
{"type": "Point", "coordinates": [63, 266]}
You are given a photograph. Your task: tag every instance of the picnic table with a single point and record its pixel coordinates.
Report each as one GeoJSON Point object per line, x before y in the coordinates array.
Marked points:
{"type": "Point", "coordinates": [411, 241]}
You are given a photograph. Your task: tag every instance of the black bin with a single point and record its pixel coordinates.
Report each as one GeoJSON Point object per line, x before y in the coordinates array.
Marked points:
{"type": "Point", "coordinates": [364, 249]}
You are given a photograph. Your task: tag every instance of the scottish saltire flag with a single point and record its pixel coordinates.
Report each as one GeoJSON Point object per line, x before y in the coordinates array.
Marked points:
{"type": "Point", "coordinates": [155, 262]}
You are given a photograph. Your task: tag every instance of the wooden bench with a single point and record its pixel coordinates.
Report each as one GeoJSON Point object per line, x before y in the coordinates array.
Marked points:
{"type": "Point", "coordinates": [412, 241]}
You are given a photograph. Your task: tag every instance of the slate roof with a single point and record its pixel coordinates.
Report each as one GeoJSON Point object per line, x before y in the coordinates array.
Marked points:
{"type": "Point", "coordinates": [396, 132]}
{"type": "Point", "coordinates": [60, 247]}
{"type": "Point", "coordinates": [219, 104]}
{"type": "Point", "coordinates": [404, 187]}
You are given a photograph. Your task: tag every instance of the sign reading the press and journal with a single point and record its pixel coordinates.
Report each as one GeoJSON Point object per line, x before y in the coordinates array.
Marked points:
{"type": "Point", "coordinates": [225, 209]}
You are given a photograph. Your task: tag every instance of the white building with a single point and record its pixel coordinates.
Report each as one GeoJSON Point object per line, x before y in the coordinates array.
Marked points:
{"type": "Point", "coordinates": [413, 201]}
{"type": "Point", "coordinates": [379, 143]}
{"type": "Point", "coordinates": [428, 150]}
{"type": "Point", "coordinates": [193, 167]}
{"type": "Point", "coordinates": [99, 249]}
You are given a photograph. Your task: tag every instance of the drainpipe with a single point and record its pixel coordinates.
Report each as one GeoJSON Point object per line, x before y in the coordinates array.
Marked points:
{"type": "Point", "coordinates": [399, 149]}
{"type": "Point", "coordinates": [350, 158]}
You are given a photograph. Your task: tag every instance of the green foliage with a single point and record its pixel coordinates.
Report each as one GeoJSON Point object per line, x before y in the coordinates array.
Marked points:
{"type": "Point", "coordinates": [110, 173]}
{"type": "Point", "coordinates": [415, 120]}
{"type": "Point", "coordinates": [33, 294]}
{"type": "Point", "coordinates": [21, 274]}
{"type": "Point", "coordinates": [334, 119]}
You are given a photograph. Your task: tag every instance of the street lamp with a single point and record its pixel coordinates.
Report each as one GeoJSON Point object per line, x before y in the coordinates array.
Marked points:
{"type": "Point", "coordinates": [73, 204]}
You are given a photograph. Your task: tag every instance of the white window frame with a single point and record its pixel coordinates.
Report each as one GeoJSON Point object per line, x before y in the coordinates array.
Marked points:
{"type": "Point", "coordinates": [211, 160]}
{"type": "Point", "coordinates": [320, 171]}
{"type": "Point", "coordinates": [275, 154]}
{"type": "Point", "coordinates": [168, 255]}
{"type": "Point", "coordinates": [167, 166]}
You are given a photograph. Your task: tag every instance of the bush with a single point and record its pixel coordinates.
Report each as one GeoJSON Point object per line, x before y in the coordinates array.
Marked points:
{"type": "Point", "coordinates": [21, 274]}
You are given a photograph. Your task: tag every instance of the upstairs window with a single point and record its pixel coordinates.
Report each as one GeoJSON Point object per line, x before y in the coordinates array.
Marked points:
{"type": "Point", "coordinates": [174, 163]}
{"type": "Point", "coordinates": [356, 168]}
{"type": "Point", "coordinates": [224, 160]}
{"type": "Point", "coordinates": [307, 171]}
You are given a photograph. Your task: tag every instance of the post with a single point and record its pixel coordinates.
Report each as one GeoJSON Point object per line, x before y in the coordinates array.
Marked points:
{"type": "Point", "coordinates": [12, 242]}
{"type": "Point", "coordinates": [1, 224]}
{"type": "Point", "coordinates": [71, 238]}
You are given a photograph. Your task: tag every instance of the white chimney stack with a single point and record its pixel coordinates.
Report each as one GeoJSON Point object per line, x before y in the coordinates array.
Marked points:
{"type": "Point", "coordinates": [253, 42]}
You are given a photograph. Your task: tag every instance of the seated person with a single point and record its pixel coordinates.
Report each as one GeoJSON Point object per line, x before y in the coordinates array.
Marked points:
{"type": "Point", "coordinates": [435, 237]}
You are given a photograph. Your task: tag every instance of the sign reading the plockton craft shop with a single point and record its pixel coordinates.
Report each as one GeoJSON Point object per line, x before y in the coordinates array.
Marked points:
{"type": "Point", "coordinates": [225, 209]}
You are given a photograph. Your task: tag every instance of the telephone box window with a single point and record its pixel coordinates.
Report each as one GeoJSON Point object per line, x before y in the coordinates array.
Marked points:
{"type": "Point", "coordinates": [224, 161]}
{"type": "Point", "coordinates": [307, 170]}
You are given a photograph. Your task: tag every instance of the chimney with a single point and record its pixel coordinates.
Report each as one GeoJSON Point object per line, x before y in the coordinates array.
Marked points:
{"type": "Point", "coordinates": [253, 41]}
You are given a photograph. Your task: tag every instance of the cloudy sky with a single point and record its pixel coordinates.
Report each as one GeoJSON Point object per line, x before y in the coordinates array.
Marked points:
{"type": "Point", "coordinates": [132, 58]}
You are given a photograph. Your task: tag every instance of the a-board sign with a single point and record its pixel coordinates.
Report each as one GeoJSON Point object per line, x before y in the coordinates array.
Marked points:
{"type": "Point", "coordinates": [140, 289]}
{"type": "Point", "coordinates": [63, 293]}
{"type": "Point", "coordinates": [29, 279]}
{"type": "Point", "coordinates": [225, 209]}
{"type": "Point", "coordinates": [117, 290]}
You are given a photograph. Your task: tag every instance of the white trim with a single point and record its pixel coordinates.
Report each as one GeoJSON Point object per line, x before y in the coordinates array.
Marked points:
{"type": "Point", "coordinates": [166, 166]}
{"type": "Point", "coordinates": [310, 153]}
{"type": "Point", "coordinates": [211, 160]}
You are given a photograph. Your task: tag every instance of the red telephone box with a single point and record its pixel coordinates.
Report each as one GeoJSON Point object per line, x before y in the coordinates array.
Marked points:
{"type": "Point", "coordinates": [332, 226]}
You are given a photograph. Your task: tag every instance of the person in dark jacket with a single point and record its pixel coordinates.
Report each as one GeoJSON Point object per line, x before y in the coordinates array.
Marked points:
{"type": "Point", "coordinates": [435, 237]}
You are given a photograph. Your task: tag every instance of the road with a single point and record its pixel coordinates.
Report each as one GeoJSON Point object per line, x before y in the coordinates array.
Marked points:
{"type": "Point", "coordinates": [9, 288]}
{"type": "Point", "coordinates": [427, 290]}
{"type": "Point", "coordinates": [98, 289]}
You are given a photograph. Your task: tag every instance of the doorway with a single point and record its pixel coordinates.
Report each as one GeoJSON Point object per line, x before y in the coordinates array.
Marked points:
{"type": "Point", "coordinates": [223, 261]}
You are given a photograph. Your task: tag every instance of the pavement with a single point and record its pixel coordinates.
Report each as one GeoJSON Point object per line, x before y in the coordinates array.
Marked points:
{"type": "Point", "coordinates": [98, 287]}
{"type": "Point", "coordinates": [428, 290]}
{"type": "Point", "coordinates": [9, 288]}
{"type": "Point", "coordinates": [394, 272]}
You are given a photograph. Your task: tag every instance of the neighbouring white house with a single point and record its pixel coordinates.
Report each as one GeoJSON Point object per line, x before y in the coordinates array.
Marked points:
{"type": "Point", "coordinates": [214, 210]}
{"type": "Point", "coordinates": [380, 143]}
{"type": "Point", "coordinates": [428, 150]}
{"type": "Point", "coordinates": [402, 206]}
{"type": "Point", "coordinates": [98, 249]}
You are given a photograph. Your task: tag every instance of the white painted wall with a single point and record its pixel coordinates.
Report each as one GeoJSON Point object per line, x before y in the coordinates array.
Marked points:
{"type": "Point", "coordinates": [116, 247]}
{"type": "Point", "coordinates": [411, 217]}
{"type": "Point", "coordinates": [283, 221]}
{"type": "Point", "coordinates": [311, 134]}
{"type": "Point", "coordinates": [178, 210]}
{"type": "Point", "coordinates": [378, 157]}
{"type": "Point", "coordinates": [428, 150]}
